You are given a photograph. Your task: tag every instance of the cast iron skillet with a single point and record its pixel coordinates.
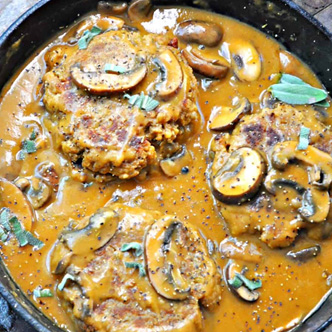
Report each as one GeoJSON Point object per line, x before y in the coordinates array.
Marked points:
{"type": "Point", "coordinates": [281, 19]}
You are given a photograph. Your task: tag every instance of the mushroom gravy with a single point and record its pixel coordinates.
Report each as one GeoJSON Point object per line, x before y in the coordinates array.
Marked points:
{"type": "Point", "coordinates": [46, 188]}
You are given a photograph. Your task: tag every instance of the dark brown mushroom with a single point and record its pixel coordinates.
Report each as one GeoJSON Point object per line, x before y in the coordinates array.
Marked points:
{"type": "Point", "coordinates": [303, 255]}
{"type": "Point", "coordinates": [267, 100]}
{"type": "Point", "coordinates": [225, 118]}
{"type": "Point", "coordinates": [173, 165]}
{"type": "Point", "coordinates": [139, 10]}
{"type": "Point", "coordinates": [205, 67]}
{"type": "Point", "coordinates": [240, 177]}
{"type": "Point", "coordinates": [112, 8]}
{"type": "Point", "coordinates": [200, 32]}
{"type": "Point", "coordinates": [233, 277]}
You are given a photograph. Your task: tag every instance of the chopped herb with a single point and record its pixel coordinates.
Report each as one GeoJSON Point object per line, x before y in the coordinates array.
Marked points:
{"type": "Point", "coordinates": [4, 219]}
{"type": "Point", "coordinates": [38, 292]}
{"type": "Point", "coordinates": [3, 234]}
{"type": "Point", "coordinates": [135, 265]}
{"type": "Point", "coordinates": [236, 282]}
{"type": "Point", "coordinates": [292, 90]}
{"type": "Point", "coordinates": [18, 231]}
{"type": "Point", "coordinates": [28, 147]}
{"type": "Point", "coordinates": [250, 284]}
{"type": "Point", "coordinates": [33, 241]}
{"type": "Point", "coordinates": [304, 138]}
{"type": "Point", "coordinates": [87, 36]}
{"type": "Point", "coordinates": [33, 135]}
{"type": "Point", "coordinates": [63, 283]}
{"type": "Point", "coordinates": [133, 245]}
{"type": "Point", "coordinates": [110, 68]}
{"type": "Point", "coordinates": [240, 280]}
{"type": "Point", "coordinates": [143, 102]}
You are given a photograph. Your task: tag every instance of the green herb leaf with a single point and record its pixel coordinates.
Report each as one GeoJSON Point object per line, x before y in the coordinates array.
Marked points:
{"type": "Point", "coordinates": [87, 36]}
{"type": "Point", "coordinates": [63, 283]}
{"type": "Point", "coordinates": [4, 219]}
{"type": "Point", "coordinates": [236, 282]}
{"type": "Point", "coordinates": [250, 284]}
{"type": "Point", "coordinates": [143, 102]}
{"type": "Point", "coordinates": [39, 292]}
{"type": "Point", "coordinates": [136, 265]}
{"type": "Point", "coordinates": [304, 138]}
{"type": "Point", "coordinates": [297, 94]}
{"type": "Point", "coordinates": [133, 245]}
{"type": "Point", "coordinates": [3, 234]}
{"type": "Point", "coordinates": [110, 68]}
{"type": "Point", "coordinates": [33, 135]}
{"type": "Point", "coordinates": [34, 241]}
{"type": "Point", "coordinates": [18, 231]}
{"type": "Point", "coordinates": [323, 103]}
{"type": "Point", "coordinates": [290, 79]}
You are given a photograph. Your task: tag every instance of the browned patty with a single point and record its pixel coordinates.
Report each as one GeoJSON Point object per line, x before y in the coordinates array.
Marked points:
{"type": "Point", "coordinates": [108, 296]}
{"type": "Point", "coordinates": [273, 217]}
{"type": "Point", "coordinates": [104, 133]}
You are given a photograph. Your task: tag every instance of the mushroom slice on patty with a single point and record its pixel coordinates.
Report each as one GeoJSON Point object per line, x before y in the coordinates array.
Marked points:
{"type": "Point", "coordinates": [177, 260]}
{"type": "Point", "coordinates": [240, 177]}
{"type": "Point", "coordinates": [173, 165]}
{"type": "Point", "coordinates": [103, 83]}
{"type": "Point", "coordinates": [11, 197]}
{"type": "Point", "coordinates": [226, 117]}
{"type": "Point", "coordinates": [171, 74]}
{"type": "Point", "coordinates": [206, 67]}
{"type": "Point", "coordinates": [200, 32]}
{"type": "Point", "coordinates": [245, 60]}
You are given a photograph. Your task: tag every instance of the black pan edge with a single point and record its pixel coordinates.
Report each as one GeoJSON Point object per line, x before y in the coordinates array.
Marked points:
{"type": "Point", "coordinates": [12, 60]}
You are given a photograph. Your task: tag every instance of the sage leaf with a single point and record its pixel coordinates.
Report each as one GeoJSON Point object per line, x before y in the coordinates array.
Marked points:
{"type": "Point", "coordinates": [297, 94]}
{"type": "Point", "coordinates": [290, 79]}
{"type": "Point", "coordinates": [304, 138]}
{"type": "Point", "coordinates": [250, 284]}
{"type": "Point", "coordinates": [110, 68]}
{"type": "Point", "coordinates": [38, 293]}
{"type": "Point", "coordinates": [64, 280]}
{"type": "Point", "coordinates": [136, 265]}
{"type": "Point", "coordinates": [87, 36]}
{"type": "Point", "coordinates": [133, 246]}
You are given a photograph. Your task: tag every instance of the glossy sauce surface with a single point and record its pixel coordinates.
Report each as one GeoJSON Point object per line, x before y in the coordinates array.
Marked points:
{"type": "Point", "coordinates": [284, 296]}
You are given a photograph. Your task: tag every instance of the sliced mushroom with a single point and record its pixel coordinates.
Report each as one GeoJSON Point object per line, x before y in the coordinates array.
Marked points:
{"type": "Point", "coordinates": [267, 100]}
{"type": "Point", "coordinates": [303, 255]}
{"type": "Point", "coordinates": [60, 258]}
{"type": "Point", "coordinates": [112, 8]}
{"type": "Point", "coordinates": [12, 198]}
{"type": "Point", "coordinates": [232, 271]}
{"type": "Point", "coordinates": [46, 171]}
{"type": "Point", "coordinates": [171, 74]}
{"type": "Point", "coordinates": [246, 61]}
{"type": "Point", "coordinates": [226, 117]}
{"type": "Point", "coordinates": [200, 32]}
{"type": "Point", "coordinates": [205, 67]}
{"type": "Point", "coordinates": [139, 10]}
{"type": "Point", "coordinates": [100, 229]}
{"type": "Point", "coordinates": [240, 177]}
{"type": "Point", "coordinates": [38, 193]}
{"type": "Point", "coordinates": [173, 166]}
{"type": "Point", "coordinates": [102, 83]}
{"type": "Point", "coordinates": [178, 260]}
{"type": "Point", "coordinates": [313, 205]}
{"type": "Point", "coordinates": [318, 178]}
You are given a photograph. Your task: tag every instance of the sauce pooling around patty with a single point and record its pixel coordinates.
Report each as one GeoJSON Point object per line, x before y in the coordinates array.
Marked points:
{"type": "Point", "coordinates": [171, 122]}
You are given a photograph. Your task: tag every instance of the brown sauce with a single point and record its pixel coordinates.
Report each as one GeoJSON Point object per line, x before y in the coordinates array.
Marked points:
{"type": "Point", "coordinates": [290, 289]}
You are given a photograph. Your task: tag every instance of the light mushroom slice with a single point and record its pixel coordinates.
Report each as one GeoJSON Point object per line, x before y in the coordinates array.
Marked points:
{"type": "Point", "coordinates": [60, 258]}
{"type": "Point", "coordinates": [102, 83]}
{"type": "Point", "coordinates": [246, 60]}
{"type": "Point", "coordinates": [173, 166]}
{"type": "Point", "coordinates": [171, 74]}
{"type": "Point", "coordinates": [304, 254]}
{"type": "Point", "coordinates": [12, 198]}
{"type": "Point", "coordinates": [244, 288]}
{"type": "Point", "coordinates": [240, 177]}
{"type": "Point", "coordinates": [139, 10]}
{"type": "Point", "coordinates": [177, 260]}
{"type": "Point", "coordinates": [225, 118]}
{"type": "Point", "coordinates": [200, 32]}
{"type": "Point", "coordinates": [286, 151]}
{"type": "Point", "coordinates": [100, 229]}
{"type": "Point", "coordinates": [203, 66]}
